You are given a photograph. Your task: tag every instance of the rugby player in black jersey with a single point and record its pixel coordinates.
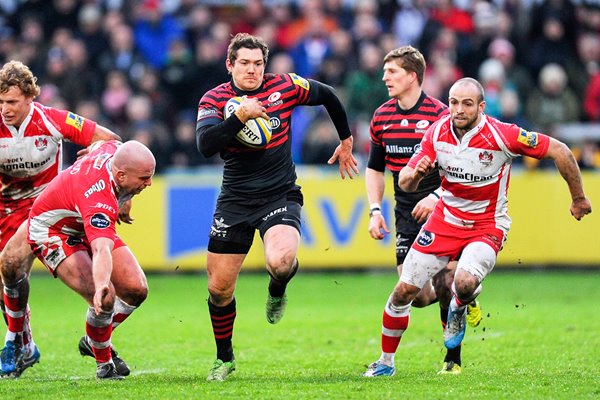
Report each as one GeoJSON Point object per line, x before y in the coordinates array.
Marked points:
{"type": "Point", "coordinates": [259, 188]}
{"type": "Point", "coordinates": [396, 130]}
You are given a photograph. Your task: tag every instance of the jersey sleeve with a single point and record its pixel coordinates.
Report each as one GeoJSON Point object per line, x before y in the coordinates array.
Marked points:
{"type": "Point", "coordinates": [99, 213]}
{"type": "Point", "coordinates": [302, 88]}
{"type": "Point", "coordinates": [520, 141]}
{"type": "Point", "coordinates": [376, 159]}
{"type": "Point", "coordinates": [209, 112]}
{"type": "Point", "coordinates": [426, 148]}
{"type": "Point", "coordinates": [73, 127]}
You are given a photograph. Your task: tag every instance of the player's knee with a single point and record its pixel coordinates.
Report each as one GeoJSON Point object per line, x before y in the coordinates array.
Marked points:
{"type": "Point", "coordinates": [136, 296]}
{"type": "Point", "coordinates": [10, 268]}
{"type": "Point", "coordinates": [280, 266]}
{"type": "Point", "coordinates": [465, 286]}
{"type": "Point", "coordinates": [404, 294]}
{"type": "Point", "coordinates": [220, 293]}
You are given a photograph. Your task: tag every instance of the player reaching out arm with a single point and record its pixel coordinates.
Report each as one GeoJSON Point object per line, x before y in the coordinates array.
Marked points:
{"type": "Point", "coordinates": [79, 244]}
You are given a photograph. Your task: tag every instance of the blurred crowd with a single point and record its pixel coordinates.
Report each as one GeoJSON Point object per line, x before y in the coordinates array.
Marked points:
{"type": "Point", "coordinates": [141, 66]}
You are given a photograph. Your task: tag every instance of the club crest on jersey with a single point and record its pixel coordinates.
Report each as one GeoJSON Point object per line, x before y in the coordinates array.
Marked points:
{"type": "Point", "coordinates": [529, 139]}
{"type": "Point", "coordinates": [486, 157]}
{"type": "Point", "coordinates": [41, 143]}
{"type": "Point", "coordinates": [300, 81]}
{"type": "Point", "coordinates": [273, 97]}
{"type": "Point", "coordinates": [425, 238]}
{"type": "Point", "coordinates": [75, 121]}
{"type": "Point", "coordinates": [100, 221]}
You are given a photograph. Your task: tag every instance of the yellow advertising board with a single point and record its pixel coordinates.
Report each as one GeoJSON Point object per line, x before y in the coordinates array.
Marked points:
{"type": "Point", "coordinates": [173, 217]}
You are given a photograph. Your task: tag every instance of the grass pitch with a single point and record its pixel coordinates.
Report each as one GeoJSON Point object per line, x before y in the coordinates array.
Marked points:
{"type": "Point", "coordinates": [540, 338]}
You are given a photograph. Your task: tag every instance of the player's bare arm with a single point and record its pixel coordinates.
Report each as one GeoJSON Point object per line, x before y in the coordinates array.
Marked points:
{"type": "Point", "coordinates": [375, 182]}
{"type": "Point", "coordinates": [101, 133]}
{"type": "Point", "coordinates": [409, 178]}
{"type": "Point", "coordinates": [424, 208]}
{"type": "Point", "coordinates": [569, 170]}
{"type": "Point", "coordinates": [101, 272]}
{"type": "Point", "coordinates": [348, 163]}
{"type": "Point", "coordinates": [125, 213]}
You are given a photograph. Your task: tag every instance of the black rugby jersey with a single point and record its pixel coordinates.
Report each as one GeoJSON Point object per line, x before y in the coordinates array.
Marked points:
{"type": "Point", "coordinates": [396, 135]}
{"type": "Point", "coordinates": [251, 172]}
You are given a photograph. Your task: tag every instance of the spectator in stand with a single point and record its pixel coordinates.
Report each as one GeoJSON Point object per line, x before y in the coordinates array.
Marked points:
{"type": "Point", "coordinates": [312, 48]}
{"type": "Point", "coordinates": [154, 31]}
{"type": "Point", "coordinates": [504, 51]}
{"type": "Point", "coordinates": [364, 93]}
{"type": "Point", "coordinates": [114, 97]}
{"type": "Point", "coordinates": [90, 31]}
{"type": "Point", "coordinates": [250, 17]}
{"type": "Point", "coordinates": [410, 21]}
{"type": "Point", "coordinates": [121, 55]}
{"type": "Point", "coordinates": [209, 67]}
{"type": "Point", "coordinates": [582, 70]}
{"type": "Point", "coordinates": [176, 74]}
{"type": "Point", "coordinates": [552, 102]}
{"type": "Point", "coordinates": [552, 47]}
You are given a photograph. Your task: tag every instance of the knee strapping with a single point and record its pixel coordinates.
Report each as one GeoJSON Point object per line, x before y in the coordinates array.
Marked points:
{"type": "Point", "coordinates": [101, 320]}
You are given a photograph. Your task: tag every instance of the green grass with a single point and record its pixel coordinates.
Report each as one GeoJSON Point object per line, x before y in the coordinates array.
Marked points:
{"type": "Point", "coordinates": [540, 338]}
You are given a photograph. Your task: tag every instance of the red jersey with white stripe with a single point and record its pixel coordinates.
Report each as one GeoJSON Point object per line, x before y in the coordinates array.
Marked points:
{"type": "Point", "coordinates": [30, 157]}
{"type": "Point", "coordinates": [82, 201]}
{"type": "Point", "coordinates": [475, 171]}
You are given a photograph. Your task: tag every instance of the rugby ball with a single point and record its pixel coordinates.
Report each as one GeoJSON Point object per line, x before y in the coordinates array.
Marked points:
{"type": "Point", "coordinates": [256, 133]}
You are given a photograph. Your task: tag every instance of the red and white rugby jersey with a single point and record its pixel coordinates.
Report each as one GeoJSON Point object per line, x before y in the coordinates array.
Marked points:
{"type": "Point", "coordinates": [81, 200]}
{"type": "Point", "coordinates": [30, 156]}
{"type": "Point", "coordinates": [475, 171]}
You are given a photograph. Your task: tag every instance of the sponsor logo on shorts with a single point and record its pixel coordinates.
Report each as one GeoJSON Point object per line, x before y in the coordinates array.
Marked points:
{"type": "Point", "coordinates": [275, 212]}
{"type": "Point", "coordinates": [100, 221]}
{"type": "Point", "coordinates": [219, 228]}
{"type": "Point", "coordinates": [425, 238]}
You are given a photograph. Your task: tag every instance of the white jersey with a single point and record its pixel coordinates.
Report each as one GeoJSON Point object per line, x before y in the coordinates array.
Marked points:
{"type": "Point", "coordinates": [30, 157]}
{"type": "Point", "coordinates": [475, 170]}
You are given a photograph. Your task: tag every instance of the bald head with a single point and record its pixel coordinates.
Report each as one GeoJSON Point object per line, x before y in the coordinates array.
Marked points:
{"type": "Point", "coordinates": [133, 155]}
{"type": "Point", "coordinates": [133, 167]}
{"type": "Point", "coordinates": [470, 85]}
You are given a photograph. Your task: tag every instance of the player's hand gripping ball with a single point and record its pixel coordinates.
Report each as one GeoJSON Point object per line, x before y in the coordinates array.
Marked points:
{"type": "Point", "coordinates": [256, 133]}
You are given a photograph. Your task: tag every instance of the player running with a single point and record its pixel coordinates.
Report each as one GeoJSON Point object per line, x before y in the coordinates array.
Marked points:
{"type": "Point", "coordinates": [259, 190]}
{"type": "Point", "coordinates": [397, 128]}
{"type": "Point", "coordinates": [473, 153]}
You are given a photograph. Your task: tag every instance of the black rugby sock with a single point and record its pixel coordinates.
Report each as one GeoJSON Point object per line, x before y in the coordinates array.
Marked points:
{"type": "Point", "coordinates": [277, 287]}
{"type": "Point", "coordinates": [222, 319]}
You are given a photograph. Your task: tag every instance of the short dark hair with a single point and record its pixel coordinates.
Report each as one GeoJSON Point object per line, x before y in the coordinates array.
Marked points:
{"type": "Point", "coordinates": [410, 59]}
{"type": "Point", "coordinates": [247, 41]}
